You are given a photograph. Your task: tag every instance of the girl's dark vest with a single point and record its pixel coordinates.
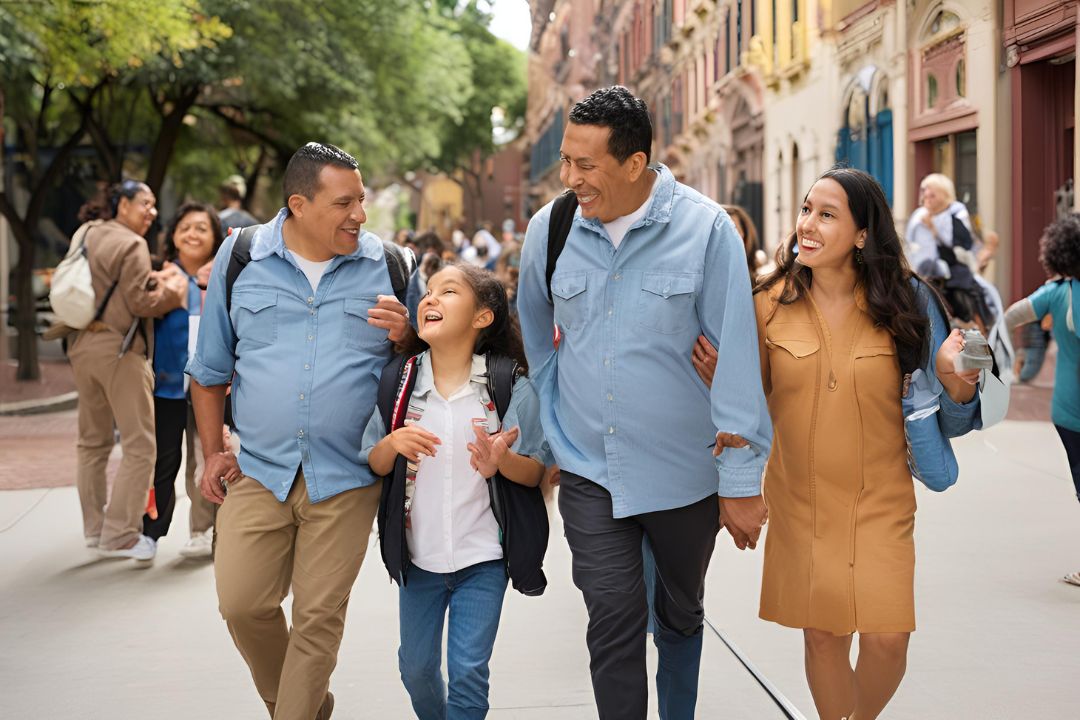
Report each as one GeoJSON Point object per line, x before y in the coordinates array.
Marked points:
{"type": "Point", "coordinates": [520, 511]}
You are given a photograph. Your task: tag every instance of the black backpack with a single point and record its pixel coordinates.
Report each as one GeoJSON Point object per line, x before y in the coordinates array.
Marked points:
{"type": "Point", "coordinates": [400, 263]}
{"type": "Point", "coordinates": [519, 510]}
{"type": "Point", "coordinates": [562, 218]}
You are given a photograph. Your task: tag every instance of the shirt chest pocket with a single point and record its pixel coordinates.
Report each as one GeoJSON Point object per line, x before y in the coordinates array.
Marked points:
{"type": "Point", "coordinates": [570, 293]}
{"type": "Point", "coordinates": [666, 302]}
{"type": "Point", "coordinates": [788, 342]}
{"type": "Point", "coordinates": [359, 334]}
{"type": "Point", "coordinates": [255, 315]}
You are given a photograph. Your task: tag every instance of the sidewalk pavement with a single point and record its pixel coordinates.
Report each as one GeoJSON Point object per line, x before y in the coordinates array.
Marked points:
{"type": "Point", "coordinates": [93, 639]}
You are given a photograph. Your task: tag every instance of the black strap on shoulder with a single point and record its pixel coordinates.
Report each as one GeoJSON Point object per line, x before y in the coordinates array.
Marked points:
{"type": "Point", "coordinates": [502, 373]}
{"type": "Point", "coordinates": [389, 389]}
{"type": "Point", "coordinates": [238, 260]}
{"type": "Point", "coordinates": [562, 217]}
{"type": "Point", "coordinates": [400, 263]}
{"type": "Point", "coordinates": [84, 250]}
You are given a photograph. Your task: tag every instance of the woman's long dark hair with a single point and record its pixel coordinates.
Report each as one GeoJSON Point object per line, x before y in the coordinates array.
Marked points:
{"type": "Point", "coordinates": [883, 274]}
{"type": "Point", "coordinates": [169, 247]}
{"type": "Point", "coordinates": [503, 335]}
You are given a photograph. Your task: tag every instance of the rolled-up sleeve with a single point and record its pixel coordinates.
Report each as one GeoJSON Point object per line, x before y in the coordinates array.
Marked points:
{"type": "Point", "coordinates": [726, 311]}
{"type": "Point", "coordinates": [524, 414]}
{"type": "Point", "coordinates": [373, 433]}
{"type": "Point", "coordinates": [215, 354]}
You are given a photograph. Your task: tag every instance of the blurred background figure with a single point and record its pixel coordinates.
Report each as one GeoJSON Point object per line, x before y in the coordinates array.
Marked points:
{"type": "Point", "coordinates": [231, 194]}
{"type": "Point", "coordinates": [943, 248]}
{"type": "Point", "coordinates": [1059, 300]}
{"type": "Point", "coordinates": [430, 251]}
{"type": "Point", "coordinates": [191, 241]}
{"type": "Point", "coordinates": [109, 360]}
{"type": "Point", "coordinates": [755, 257]}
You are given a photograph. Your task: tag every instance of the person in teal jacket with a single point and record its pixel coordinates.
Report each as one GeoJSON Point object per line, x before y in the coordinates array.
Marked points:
{"type": "Point", "coordinates": [1060, 298]}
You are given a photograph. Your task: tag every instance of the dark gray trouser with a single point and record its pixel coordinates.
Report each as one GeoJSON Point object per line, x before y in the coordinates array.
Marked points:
{"type": "Point", "coordinates": [607, 568]}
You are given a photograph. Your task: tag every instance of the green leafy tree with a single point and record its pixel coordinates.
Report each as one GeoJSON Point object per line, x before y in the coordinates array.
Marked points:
{"type": "Point", "coordinates": [56, 59]}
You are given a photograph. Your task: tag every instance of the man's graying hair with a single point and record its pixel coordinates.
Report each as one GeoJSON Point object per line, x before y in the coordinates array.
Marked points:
{"type": "Point", "coordinates": [302, 172]}
{"type": "Point", "coordinates": [626, 116]}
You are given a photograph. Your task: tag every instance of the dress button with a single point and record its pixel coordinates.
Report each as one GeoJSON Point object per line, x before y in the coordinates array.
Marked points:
{"type": "Point", "coordinates": [310, 300]}
{"type": "Point", "coordinates": [618, 276]}
{"type": "Point", "coordinates": [301, 396]}
{"type": "Point", "coordinates": [611, 431]}
{"type": "Point", "coordinates": [307, 366]}
{"type": "Point", "coordinates": [606, 362]}
{"type": "Point", "coordinates": [610, 396]}
{"type": "Point", "coordinates": [310, 337]}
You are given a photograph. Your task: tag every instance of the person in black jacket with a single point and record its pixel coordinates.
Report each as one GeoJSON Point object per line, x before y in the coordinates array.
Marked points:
{"type": "Point", "coordinates": [446, 457]}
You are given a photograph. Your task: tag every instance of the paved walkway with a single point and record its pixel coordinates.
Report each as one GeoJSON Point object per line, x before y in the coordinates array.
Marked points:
{"type": "Point", "coordinates": [90, 639]}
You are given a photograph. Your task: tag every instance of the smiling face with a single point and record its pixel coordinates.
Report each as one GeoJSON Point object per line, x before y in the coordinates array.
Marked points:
{"type": "Point", "coordinates": [933, 199]}
{"type": "Point", "coordinates": [449, 312]}
{"type": "Point", "coordinates": [138, 213]}
{"type": "Point", "coordinates": [331, 220]}
{"type": "Point", "coordinates": [194, 239]}
{"type": "Point", "coordinates": [826, 230]}
{"type": "Point", "coordinates": [602, 184]}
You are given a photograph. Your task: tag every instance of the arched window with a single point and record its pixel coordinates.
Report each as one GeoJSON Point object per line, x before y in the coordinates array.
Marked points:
{"type": "Point", "coordinates": [865, 141]}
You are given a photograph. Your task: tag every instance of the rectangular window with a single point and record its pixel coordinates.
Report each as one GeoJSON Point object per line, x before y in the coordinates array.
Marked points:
{"type": "Point", "coordinates": [738, 31]}
{"type": "Point", "coordinates": [727, 41]}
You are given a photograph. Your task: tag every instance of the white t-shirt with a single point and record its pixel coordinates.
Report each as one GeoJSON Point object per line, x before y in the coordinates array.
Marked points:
{"type": "Point", "coordinates": [313, 270]}
{"type": "Point", "coordinates": [617, 228]}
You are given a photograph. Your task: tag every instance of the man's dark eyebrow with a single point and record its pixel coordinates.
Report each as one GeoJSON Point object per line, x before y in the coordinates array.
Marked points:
{"type": "Point", "coordinates": [346, 198]}
{"type": "Point", "coordinates": [581, 159]}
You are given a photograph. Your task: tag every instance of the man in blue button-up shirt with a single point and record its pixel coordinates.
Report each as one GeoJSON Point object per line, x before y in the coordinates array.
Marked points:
{"type": "Point", "coordinates": [648, 265]}
{"type": "Point", "coordinates": [310, 328]}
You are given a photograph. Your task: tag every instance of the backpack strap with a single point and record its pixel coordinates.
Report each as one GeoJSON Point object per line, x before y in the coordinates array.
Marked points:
{"type": "Point", "coordinates": [400, 264]}
{"type": "Point", "coordinates": [562, 218]}
{"type": "Point", "coordinates": [395, 387]}
{"type": "Point", "coordinates": [238, 260]}
{"type": "Point", "coordinates": [502, 373]}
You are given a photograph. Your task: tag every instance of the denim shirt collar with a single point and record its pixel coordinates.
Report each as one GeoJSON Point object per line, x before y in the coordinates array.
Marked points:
{"type": "Point", "coordinates": [659, 210]}
{"type": "Point", "coordinates": [269, 240]}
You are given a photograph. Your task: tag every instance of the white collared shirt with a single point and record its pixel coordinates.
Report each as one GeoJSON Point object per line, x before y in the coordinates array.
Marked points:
{"type": "Point", "coordinates": [452, 526]}
{"type": "Point", "coordinates": [452, 523]}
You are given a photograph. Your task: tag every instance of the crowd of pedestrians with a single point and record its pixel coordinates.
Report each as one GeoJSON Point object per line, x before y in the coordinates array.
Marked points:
{"type": "Point", "coordinates": [635, 348]}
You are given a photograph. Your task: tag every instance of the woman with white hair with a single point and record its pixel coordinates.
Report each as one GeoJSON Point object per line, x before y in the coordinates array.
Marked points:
{"type": "Point", "coordinates": [939, 220]}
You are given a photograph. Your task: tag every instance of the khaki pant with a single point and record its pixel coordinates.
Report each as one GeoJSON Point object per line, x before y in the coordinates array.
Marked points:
{"type": "Point", "coordinates": [113, 390]}
{"type": "Point", "coordinates": [203, 511]}
{"type": "Point", "coordinates": [263, 547]}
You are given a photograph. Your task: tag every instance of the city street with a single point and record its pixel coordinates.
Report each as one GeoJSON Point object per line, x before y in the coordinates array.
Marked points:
{"type": "Point", "coordinates": [85, 638]}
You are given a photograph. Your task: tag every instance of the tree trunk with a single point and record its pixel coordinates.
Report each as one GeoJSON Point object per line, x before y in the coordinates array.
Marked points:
{"type": "Point", "coordinates": [252, 179]}
{"type": "Point", "coordinates": [171, 124]}
{"type": "Point", "coordinates": [25, 310]}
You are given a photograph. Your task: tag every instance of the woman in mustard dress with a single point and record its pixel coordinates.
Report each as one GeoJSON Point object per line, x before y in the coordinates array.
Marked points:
{"type": "Point", "coordinates": [839, 555]}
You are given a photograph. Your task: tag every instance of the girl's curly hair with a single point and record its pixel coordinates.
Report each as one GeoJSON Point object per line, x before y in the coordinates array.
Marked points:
{"type": "Point", "coordinates": [1059, 250]}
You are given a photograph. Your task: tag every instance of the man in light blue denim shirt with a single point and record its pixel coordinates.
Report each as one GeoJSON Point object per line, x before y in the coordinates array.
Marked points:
{"type": "Point", "coordinates": [309, 330]}
{"type": "Point", "coordinates": [649, 264]}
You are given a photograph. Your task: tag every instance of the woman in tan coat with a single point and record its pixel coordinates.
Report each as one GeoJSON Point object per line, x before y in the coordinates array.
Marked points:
{"type": "Point", "coordinates": [833, 320]}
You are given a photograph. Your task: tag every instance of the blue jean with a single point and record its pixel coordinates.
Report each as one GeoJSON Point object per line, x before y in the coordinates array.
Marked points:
{"type": "Point", "coordinates": [474, 597]}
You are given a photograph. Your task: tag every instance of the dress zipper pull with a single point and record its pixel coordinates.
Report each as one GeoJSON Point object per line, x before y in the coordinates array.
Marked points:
{"type": "Point", "coordinates": [832, 380]}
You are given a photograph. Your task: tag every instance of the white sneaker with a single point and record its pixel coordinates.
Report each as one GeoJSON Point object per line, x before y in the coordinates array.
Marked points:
{"type": "Point", "coordinates": [144, 549]}
{"type": "Point", "coordinates": [92, 541]}
{"type": "Point", "coordinates": [201, 545]}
